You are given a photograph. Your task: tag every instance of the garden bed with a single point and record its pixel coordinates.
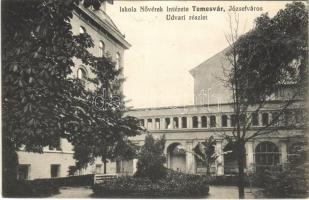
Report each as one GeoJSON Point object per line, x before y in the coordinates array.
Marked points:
{"type": "Point", "coordinates": [174, 185]}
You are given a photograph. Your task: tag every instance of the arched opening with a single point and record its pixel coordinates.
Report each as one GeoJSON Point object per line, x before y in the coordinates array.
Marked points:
{"type": "Point", "coordinates": [230, 159]}
{"type": "Point", "coordinates": [102, 48]}
{"type": "Point", "coordinates": [266, 155]}
{"type": "Point", "coordinates": [82, 30]}
{"type": "Point", "coordinates": [118, 61]}
{"type": "Point", "coordinates": [176, 157]}
{"type": "Point", "coordinates": [81, 74]}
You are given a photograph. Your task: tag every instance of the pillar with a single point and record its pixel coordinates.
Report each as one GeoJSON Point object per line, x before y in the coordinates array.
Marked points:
{"type": "Point", "coordinates": [190, 165]}
{"type": "Point", "coordinates": [171, 123]}
{"type": "Point", "coordinates": [179, 122]}
{"type": "Point", "coordinates": [250, 153]}
{"type": "Point", "coordinates": [220, 159]}
{"type": "Point", "coordinates": [162, 123]}
{"type": "Point", "coordinates": [153, 123]}
{"type": "Point", "coordinates": [189, 121]}
{"type": "Point", "coordinates": [218, 120]}
{"type": "Point", "coordinates": [134, 165]}
{"type": "Point", "coordinates": [284, 152]}
{"type": "Point", "coordinates": [199, 121]}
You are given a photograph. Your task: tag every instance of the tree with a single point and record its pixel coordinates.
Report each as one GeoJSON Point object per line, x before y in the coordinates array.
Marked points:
{"type": "Point", "coordinates": [151, 159]}
{"type": "Point", "coordinates": [272, 55]}
{"type": "Point", "coordinates": [205, 151]}
{"type": "Point", "coordinates": [40, 102]}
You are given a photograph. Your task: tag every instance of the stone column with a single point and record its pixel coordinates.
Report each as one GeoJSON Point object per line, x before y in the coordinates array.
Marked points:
{"type": "Point", "coordinates": [154, 124]}
{"type": "Point", "coordinates": [171, 123]}
{"type": "Point", "coordinates": [189, 158]}
{"type": "Point", "coordinates": [189, 121]}
{"type": "Point", "coordinates": [179, 122]}
{"type": "Point", "coordinates": [218, 121]}
{"type": "Point", "coordinates": [249, 158]}
{"type": "Point", "coordinates": [260, 119]}
{"type": "Point", "coordinates": [162, 123]}
{"type": "Point", "coordinates": [284, 152]}
{"type": "Point", "coordinates": [220, 159]}
{"type": "Point", "coordinates": [199, 121]}
{"type": "Point", "coordinates": [134, 169]}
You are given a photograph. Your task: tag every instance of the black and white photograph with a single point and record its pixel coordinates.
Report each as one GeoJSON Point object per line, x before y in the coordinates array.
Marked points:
{"type": "Point", "coordinates": [154, 99]}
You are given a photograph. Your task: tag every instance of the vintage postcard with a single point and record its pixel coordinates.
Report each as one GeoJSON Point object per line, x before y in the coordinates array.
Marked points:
{"type": "Point", "coordinates": [154, 99]}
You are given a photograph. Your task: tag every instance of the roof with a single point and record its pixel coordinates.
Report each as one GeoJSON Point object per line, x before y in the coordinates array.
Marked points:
{"type": "Point", "coordinates": [209, 60]}
{"type": "Point", "coordinates": [106, 24]}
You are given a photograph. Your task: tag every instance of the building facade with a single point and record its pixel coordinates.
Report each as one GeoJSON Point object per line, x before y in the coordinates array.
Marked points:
{"type": "Point", "coordinates": [108, 40]}
{"type": "Point", "coordinates": [185, 127]}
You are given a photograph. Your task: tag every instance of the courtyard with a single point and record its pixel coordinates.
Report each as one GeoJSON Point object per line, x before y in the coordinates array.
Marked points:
{"type": "Point", "coordinates": [215, 192]}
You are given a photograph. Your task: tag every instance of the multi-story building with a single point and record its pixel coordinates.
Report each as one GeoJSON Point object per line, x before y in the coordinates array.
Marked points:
{"type": "Point", "coordinates": [212, 115]}
{"type": "Point", "coordinates": [108, 40]}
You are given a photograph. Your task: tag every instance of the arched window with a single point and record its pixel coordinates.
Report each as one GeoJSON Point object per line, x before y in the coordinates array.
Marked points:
{"type": "Point", "coordinates": [184, 122]}
{"type": "Point", "coordinates": [212, 121]}
{"type": "Point", "coordinates": [204, 121]}
{"type": "Point", "coordinates": [81, 73]}
{"type": "Point", "coordinates": [102, 48]}
{"type": "Point", "coordinates": [82, 30]}
{"type": "Point", "coordinates": [149, 123]}
{"type": "Point", "coordinates": [118, 61]}
{"type": "Point", "coordinates": [265, 119]}
{"type": "Point", "coordinates": [175, 122]}
{"type": "Point", "coordinates": [224, 121]}
{"type": "Point", "coordinates": [266, 154]}
{"type": "Point", "coordinates": [194, 122]}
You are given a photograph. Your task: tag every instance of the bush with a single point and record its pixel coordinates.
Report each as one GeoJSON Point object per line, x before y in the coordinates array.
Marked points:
{"type": "Point", "coordinates": [151, 159]}
{"type": "Point", "coordinates": [71, 181]}
{"type": "Point", "coordinates": [284, 182]}
{"type": "Point", "coordinates": [175, 184]}
{"type": "Point", "coordinates": [35, 188]}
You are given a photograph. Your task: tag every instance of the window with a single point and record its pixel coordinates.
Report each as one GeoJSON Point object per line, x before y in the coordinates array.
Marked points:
{"type": "Point", "coordinates": [71, 173]}
{"type": "Point", "coordinates": [54, 171]}
{"type": "Point", "coordinates": [204, 121]}
{"type": "Point", "coordinates": [82, 30]}
{"type": "Point", "coordinates": [288, 118]}
{"type": "Point", "coordinates": [167, 123]}
{"type": "Point", "coordinates": [142, 122]}
{"type": "Point", "coordinates": [255, 119]}
{"type": "Point", "coordinates": [212, 121]}
{"type": "Point", "coordinates": [98, 169]}
{"type": "Point", "coordinates": [184, 122]}
{"type": "Point", "coordinates": [149, 123]}
{"type": "Point", "coordinates": [175, 122]}
{"type": "Point", "coordinates": [157, 120]}
{"type": "Point", "coordinates": [57, 145]}
{"type": "Point", "coordinates": [81, 74]}
{"type": "Point", "coordinates": [233, 120]}
{"type": "Point", "coordinates": [265, 119]}
{"type": "Point", "coordinates": [275, 118]}
{"type": "Point", "coordinates": [224, 121]}
{"type": "Point", "coordinates": [194, 122]}
{"type": "Point", "coordinates": [101, 48]}
{"type": "Point", "coordinates": [266, 153]}
{"type": "Point", "coordinates": [118, 61]}
{"type": "Point", "coordinates": [23, 172]}
{"type": "Point", "coordinates": [118, 166]}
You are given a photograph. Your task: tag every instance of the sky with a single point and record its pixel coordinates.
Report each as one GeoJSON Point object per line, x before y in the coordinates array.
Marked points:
{"type": "Point", "coordinates": [157, 65]}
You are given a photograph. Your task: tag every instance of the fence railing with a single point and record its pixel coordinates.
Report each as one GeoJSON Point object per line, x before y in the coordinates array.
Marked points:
{"type": "Point", "coordinates": [101, 178]}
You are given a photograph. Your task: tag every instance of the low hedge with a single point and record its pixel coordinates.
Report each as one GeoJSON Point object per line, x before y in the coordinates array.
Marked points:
{"type": "Point", "coordinates": [71, 181]}
{"type": "Point", "coordinates": [35, 188]}
{"type": "Point", "coordinates": [173, 185]}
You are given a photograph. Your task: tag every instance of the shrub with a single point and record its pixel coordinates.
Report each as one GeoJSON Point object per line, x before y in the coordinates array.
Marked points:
{"type": "Point", "coordinates": [71, 181]}
{"type": "Point", "coordinates": [151, 159]}
{"type": "Point", "coordinates": [175, 184]}
{"type": "Point", "coordinates": [33, 188]}
{"type": "Point", "coordinates": [287, 182]}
